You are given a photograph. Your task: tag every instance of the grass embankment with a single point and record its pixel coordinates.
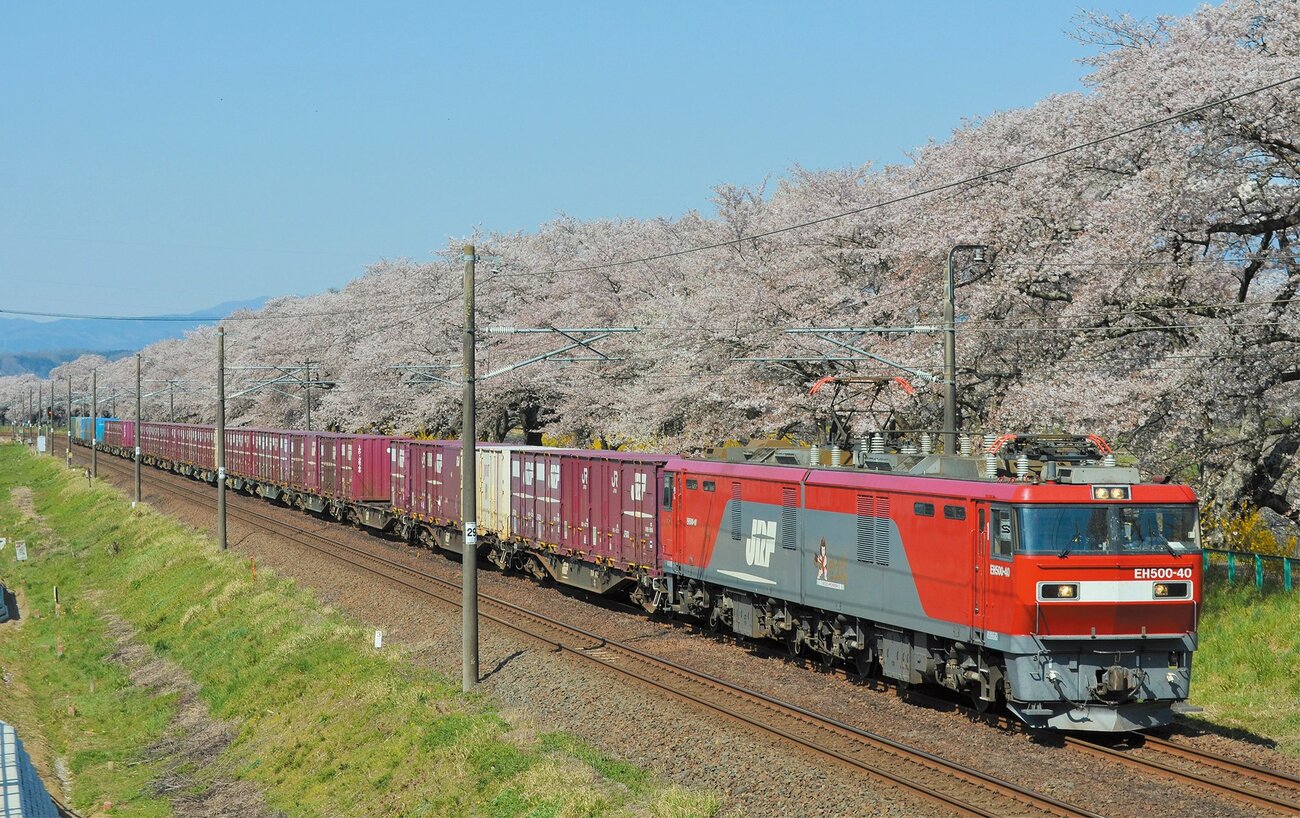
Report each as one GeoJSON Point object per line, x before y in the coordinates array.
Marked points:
{"type": "Point", "coordinates": [1244, 672]}
{"type": "Point", "coordinates": [322, 724]}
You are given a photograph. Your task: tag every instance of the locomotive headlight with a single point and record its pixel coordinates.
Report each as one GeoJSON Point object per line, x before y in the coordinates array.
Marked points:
{"type": "Point", "coordinates": [1058, 590]}
{"type": "Point", "coordinates": [1161, 589]}
{"type": "Point", "coordinates": [1110, 493]}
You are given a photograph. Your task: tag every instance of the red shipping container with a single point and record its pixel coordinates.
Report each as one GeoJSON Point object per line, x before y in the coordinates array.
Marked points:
{"type": "Point", "coordinates": [273, 457]}
{"type": "Point", "coordinates": [149, 440]}
{"type": "Point", "coordinates": [179, 443]}
{"type": "Point", "coordinates": [426, 479]}
{"type": "Point", "coordinates": [257, 454]}
{"type": "Point", "coordinates": [354, 467]}
{"type": "Point", "coordinates": [304, 461]}
{"type": "Point", "coordinates": [535, 492]}
{"type": "Point", "coordinates": [327, 459]}
{"type": "Point", "coordinates": [370, 473]}
{"type": "Point", "coordinates": [611, 506]}
{"type": "Point", "coordinates": [119, 434]}
{"type": "Point", "coordinates": [239, 449]}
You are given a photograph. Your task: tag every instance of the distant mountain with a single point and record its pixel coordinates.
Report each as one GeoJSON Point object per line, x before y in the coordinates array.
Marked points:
{"type": "Point", "coordinates": [39, 346]}
{"type": "Point", "coordinates": [41, 363]}
{"type": "Point", "coordinates": [25, 335]}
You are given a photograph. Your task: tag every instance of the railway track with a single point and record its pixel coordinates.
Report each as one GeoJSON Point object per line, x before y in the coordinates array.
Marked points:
{"type": "Point", "coordinates": [1271, 790]}
{"type": "Point", "coordinates": [1275, 791]}
{"type": "Point", "coordinates": [956, 787]}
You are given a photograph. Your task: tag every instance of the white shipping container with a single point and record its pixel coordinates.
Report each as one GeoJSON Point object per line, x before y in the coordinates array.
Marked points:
{"type": "Point", "coordinates": [494, 491]}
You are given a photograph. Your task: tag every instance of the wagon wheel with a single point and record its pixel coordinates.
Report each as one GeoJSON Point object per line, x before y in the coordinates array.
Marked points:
{"type": "Point", "coordinates": [792, 643]}
{"type": "Point", "coordinates": [826, 661]}
{"type": "Point", "coordinates": [645, 600]}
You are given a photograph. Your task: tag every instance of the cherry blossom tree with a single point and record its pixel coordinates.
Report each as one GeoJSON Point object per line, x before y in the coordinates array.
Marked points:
{"type": "Point", "coordinates": [1143, 287]}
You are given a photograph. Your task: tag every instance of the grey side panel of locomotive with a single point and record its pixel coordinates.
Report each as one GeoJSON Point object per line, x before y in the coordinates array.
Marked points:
{"type": "Point", "coordinates": [778, 553]}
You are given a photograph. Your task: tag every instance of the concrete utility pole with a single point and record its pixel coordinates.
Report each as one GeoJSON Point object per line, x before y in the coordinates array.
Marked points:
{"type": "Point", "coordinates": [94, 423]}
{"type": "Point", "coordinates": [950, 348]}
{"type": "Point", "coordinates": [468, 495]}
{"type": "Point", "coordinates": [69, 452]}
{"type": "Point", "coordinates": [171, 401]}
{"type": "Point", "coordinates": [220, 442]}
{"type": "Point", "coordinates": [137, 431]}
{"type": "Point", "coordinates": [40, 412]}
{"type": "Point", "coordinates": [308, 400]}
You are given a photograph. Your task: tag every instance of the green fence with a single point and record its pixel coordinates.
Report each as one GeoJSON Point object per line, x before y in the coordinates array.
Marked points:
{"type": "Point", "coordinates": [1266, 570]}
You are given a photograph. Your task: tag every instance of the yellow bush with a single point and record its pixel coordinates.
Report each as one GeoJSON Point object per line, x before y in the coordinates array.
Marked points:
{"type": "Point", "coordinates": [1240, 527]}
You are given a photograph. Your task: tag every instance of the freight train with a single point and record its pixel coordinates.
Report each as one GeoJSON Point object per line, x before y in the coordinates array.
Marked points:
{"type": "Point", "coordinates": [1028, 571]}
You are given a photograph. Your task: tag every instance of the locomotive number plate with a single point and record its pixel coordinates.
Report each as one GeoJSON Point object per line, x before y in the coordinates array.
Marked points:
{"type": "Point", "coordinates": [1162, 573]}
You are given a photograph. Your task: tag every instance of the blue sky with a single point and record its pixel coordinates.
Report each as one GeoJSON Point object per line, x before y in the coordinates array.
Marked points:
{"type": "Point", "coordinates": [162, 157]}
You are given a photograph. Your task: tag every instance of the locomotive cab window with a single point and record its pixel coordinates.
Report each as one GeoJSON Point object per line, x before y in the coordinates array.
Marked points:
{"type": "Point", "coordinates": [692, 484]}
{"type": "Point", "coordinates": [923, 509]}
{"type": "Point", "coordinates": [669, 481]}
{"type": "Point", "coordinates": [709, 485]}
{"type": "Point", "coordinates": [1111, 529]}
{"type": "Point", "coordinates": [1002, 537]}
{"type": "Point", "coordinates": [954, 512]}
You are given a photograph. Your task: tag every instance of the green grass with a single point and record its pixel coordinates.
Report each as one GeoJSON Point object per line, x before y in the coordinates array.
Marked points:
{"type": "Point", "coordinates": [1244, 671]}
{"type": "Point", "coordinates": [325, 725]}
{"type": "Point", "coordinates": [63, 695]}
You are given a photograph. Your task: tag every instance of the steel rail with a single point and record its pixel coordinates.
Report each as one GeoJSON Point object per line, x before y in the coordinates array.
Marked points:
{"type": "Point", "coordinates": [590, 642]}
{"type": "Point", "coordinates": [1160, 769]}
{"type": "Point", "coordinates": [1186, 776]}
{"type": "Point", "coordinates": [1275, 778]}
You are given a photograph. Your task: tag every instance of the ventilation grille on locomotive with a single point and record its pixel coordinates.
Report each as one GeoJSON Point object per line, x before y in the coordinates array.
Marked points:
{"type": "Point", "coordinates": [873, 529]}
{"type": "Point", "coordinates": [789, 504]}
{"type": "Point", "coordinates": [735, 511]}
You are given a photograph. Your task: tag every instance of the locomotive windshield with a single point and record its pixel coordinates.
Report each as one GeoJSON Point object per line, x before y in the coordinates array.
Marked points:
{"type": "Point", "coordinates": [1117, 529]}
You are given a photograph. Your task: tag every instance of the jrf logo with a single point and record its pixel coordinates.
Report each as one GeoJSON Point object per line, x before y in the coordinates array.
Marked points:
{"type": "Point", "coordinates": [761, 543]}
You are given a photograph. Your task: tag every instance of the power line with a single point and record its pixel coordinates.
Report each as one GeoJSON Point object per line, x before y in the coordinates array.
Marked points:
{"type": "Point", "coordinates": [1126, 327]}
{"type": "Point", "coordinates": [1217, 305]}
{"type": "Point", "coordinates": [936, 189]}
{"type": "Point", "coordinates": [1141, 262]}
{"type": "Point", "coordinates": [201, 319]}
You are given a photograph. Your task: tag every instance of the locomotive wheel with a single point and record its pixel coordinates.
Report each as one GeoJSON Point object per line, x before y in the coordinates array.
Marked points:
{"type": "Point", "coordinates": [864, 664]}
{"type": "Point", "coordinates": [717, 624]}
{"type": "Point", "coordinates": [980, 706]}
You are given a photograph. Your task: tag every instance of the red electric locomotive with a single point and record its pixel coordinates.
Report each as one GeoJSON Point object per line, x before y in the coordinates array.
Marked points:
{"type": "Point", "coordinates": [1038, 574]}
